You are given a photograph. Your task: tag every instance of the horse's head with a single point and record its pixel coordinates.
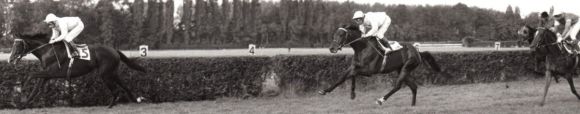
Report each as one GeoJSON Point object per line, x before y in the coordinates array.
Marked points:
{"type": "Point", "coordinates": [344, 36]}
{"type": "Point", "coordinates": [543, 37]}
{"type": "Point", "coordinates": [527, 33]}
{"type": "Point", "coordinates": [24, 44]}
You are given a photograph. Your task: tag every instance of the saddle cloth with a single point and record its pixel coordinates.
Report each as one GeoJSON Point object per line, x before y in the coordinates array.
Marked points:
{"type": "Point", "coordinates": [395, 45]}
{"type": "Point", "coordinates": [83, 51]}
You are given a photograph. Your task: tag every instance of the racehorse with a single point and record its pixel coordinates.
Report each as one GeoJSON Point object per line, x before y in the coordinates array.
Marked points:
{"type": "Point", "coordinates": [54, 60]}
{"type": "Point", "coordinates": [538, 58]}
{"type": "Point", "coordinates": [368, 60]}
{"type": "Point", "coordinates": [558, 62]}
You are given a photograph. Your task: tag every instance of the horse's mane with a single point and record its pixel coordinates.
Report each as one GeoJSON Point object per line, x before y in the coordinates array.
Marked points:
{"type": "Point", "coordinates": [530, 27]}
{"type": "Point", "coordinates": [33, 35]}
{"type": "Point", "coordinates": [352, 27]}
{"type": "Point", "coordinates": [40, 35]}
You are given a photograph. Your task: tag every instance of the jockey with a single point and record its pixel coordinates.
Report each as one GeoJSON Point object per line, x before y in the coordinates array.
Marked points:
{"type": "Point", "coordinates": [571, 26]}
{"type": "Point", "coordinates": [378, 22]}
{"type": "Point", "coordinates": [545, 20]}
{"type": "Point", "coordinates": [64, 28]}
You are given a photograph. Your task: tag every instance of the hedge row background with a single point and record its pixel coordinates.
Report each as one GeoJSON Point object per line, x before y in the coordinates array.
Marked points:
{"type": "Point", "coordinates": [202, 78]}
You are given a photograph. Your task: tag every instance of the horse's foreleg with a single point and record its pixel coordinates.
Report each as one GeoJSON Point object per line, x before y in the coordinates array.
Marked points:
{"type": "Point", "coordinates": [35, 91]}
{"type": "Point", "coordinates": [398, 84]}
{"type": "Point", "coordinates": [352, 88]}
{"type": "Point", "coordinates": [331, 88]}
{"type": "Point", "coordinates": [571, 83]}
{"type": "Point", "coordinates": [548, 80]}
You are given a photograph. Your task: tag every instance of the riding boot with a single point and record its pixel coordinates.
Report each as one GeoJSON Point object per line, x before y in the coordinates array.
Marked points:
{"type": "Point", "coordinates": [75, 52]}
{"type": "Point", "coordinates": [385, 45]}
{"type": "Point", "coordinates": [576, 45]}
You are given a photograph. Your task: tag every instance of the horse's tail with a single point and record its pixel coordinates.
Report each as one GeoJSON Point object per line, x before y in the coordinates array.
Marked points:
{"type": "Point", "coordinates": [430, 60]}
{"type": "Point", "coordinates": [131, 63]}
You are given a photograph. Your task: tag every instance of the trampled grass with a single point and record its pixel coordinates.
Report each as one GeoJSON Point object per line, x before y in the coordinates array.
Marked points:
{"type": "Point", "coordinates": [520, 97]}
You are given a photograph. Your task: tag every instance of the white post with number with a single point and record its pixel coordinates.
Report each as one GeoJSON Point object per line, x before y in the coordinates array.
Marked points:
{"type": "Point", "coordinates": [497, 45]}
{"type": "Point", "coordinates": [143, 50]}
{"type": "Point", "coordinates": [416, 45]}
{"type": "Point", "coordinates": [252, 48]}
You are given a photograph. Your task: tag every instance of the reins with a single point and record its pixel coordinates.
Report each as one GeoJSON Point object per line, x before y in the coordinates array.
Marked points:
{"type": "Point", "coordinates": [26, 46]}
{"type": "Point", "coordinates": [356, 40]}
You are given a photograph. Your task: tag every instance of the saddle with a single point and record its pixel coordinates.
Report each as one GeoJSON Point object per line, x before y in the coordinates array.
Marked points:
{"type": "Point", "coordinates": [393, 45]}
{"type": "Point", "coordinates": [571, 47]}
{"type": "Point", "coordinates": [566, 48]}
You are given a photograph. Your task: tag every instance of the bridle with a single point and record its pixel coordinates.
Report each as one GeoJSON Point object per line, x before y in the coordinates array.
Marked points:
{"type": "Point", "coordinates": [26, 47]}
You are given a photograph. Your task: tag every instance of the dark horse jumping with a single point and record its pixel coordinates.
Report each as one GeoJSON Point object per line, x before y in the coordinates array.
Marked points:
{"type": "Point", "coordinates": [104, 60]}
{"type": "Point", "coordinates": [368, 60]}
{"type": "Point", "coordinates": [558, 61]}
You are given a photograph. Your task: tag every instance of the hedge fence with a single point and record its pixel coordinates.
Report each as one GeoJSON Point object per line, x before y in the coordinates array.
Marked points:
{"type": "Point", "coordinates": [204, 78]}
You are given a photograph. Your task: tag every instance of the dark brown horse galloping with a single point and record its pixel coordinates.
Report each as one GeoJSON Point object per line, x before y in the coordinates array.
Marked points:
{"type": "Point", "coordinates": [54, 60]}
{"type": "Point", "coordinates": [368, 60]}
{"type": "Point", "coordinates": [557, 61]}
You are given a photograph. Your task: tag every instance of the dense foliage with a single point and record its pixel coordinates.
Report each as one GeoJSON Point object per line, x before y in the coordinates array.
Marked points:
{"type": "Point", "coordinates": [201, 78]}
{"type": "Point", "coordinates": [236, 23]}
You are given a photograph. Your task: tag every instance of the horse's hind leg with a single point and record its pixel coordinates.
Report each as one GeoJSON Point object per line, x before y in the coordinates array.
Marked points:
{"type": "Point", "coordinates": [398, 84]}
{"type": "Point", "coordinates": [413, 87]}
{"type": "Point", "coordinates": [352, 88]}
{"type": "Point", "coordinates": [571, 82]}
{"type": "Point", "coordinates": [112, 87]}
{"type": "Point", "coordinates": [118, 81]}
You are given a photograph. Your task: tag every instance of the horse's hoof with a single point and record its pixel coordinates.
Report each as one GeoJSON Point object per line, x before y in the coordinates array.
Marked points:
{"type": "Point", "coordinates": [352, 97]}
{"type": "Point", "coordinates": [17, 106]}
{"type": "Point", "coordinates": [380, 101]}
{"type": "Point", "coordinates": [322, 92]}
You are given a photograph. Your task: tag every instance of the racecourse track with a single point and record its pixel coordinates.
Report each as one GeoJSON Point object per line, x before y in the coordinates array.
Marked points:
{"type": "Point", "coordinates": [522, 97]}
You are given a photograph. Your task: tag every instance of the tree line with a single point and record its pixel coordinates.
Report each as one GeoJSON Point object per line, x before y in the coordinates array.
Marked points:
{"type": "Point", "coordinates": [237, 23]}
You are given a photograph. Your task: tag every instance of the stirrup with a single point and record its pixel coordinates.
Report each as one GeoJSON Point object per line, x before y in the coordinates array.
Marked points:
{"type": "Point", "coordinates": [75, 54]}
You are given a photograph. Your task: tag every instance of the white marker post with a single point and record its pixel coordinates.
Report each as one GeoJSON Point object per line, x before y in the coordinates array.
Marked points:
{"type": "Point", "coordinates": [497, 45]}
{"type": "Point", "coordinates": [143, 50]}
{"type": "Point", "coordinates": [252, 48]}
{"type": "Point", "coordinates": [416, 45]}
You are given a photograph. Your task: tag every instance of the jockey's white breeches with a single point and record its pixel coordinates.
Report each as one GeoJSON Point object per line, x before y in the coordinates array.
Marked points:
{"type": "Point", "coordinates": [382, 30]}
{"type": "Point", "coordinates": [574, 31]}
{"type": "Point", "coordinates": [72, 34]}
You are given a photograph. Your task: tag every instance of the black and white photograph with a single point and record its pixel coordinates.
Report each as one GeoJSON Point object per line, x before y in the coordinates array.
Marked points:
{"type": "Point", "coordinates": [289, 56]}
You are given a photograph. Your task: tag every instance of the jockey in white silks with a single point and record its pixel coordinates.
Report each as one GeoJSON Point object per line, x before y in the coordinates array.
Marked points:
{"type": "Point", "coordinates": [64, 28]}
{"type": "Point", "coordinates": [571, 25]}
{"type": "Point", "coordinates": [378, 22]}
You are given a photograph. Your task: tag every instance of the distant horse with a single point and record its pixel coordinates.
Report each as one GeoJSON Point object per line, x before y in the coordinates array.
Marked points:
{"type": "Point", "coordinates": [368, 60]}
{"type": "Point", "coordinates": [558, 62]}
{"type": "Point", "coordinates": [54, 60]}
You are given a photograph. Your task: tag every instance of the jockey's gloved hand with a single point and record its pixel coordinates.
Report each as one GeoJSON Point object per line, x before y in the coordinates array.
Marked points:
{"type": "Point", "coordinates": [553, 29]}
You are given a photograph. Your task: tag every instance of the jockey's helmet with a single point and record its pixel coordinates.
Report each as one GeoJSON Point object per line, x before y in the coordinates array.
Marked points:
{"type": "Point", "coordinates": [544, 14]}
{"type": "Point", "coordinates": [358, 14]}
{"type": "Point", "coordinates": [50, 18]}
